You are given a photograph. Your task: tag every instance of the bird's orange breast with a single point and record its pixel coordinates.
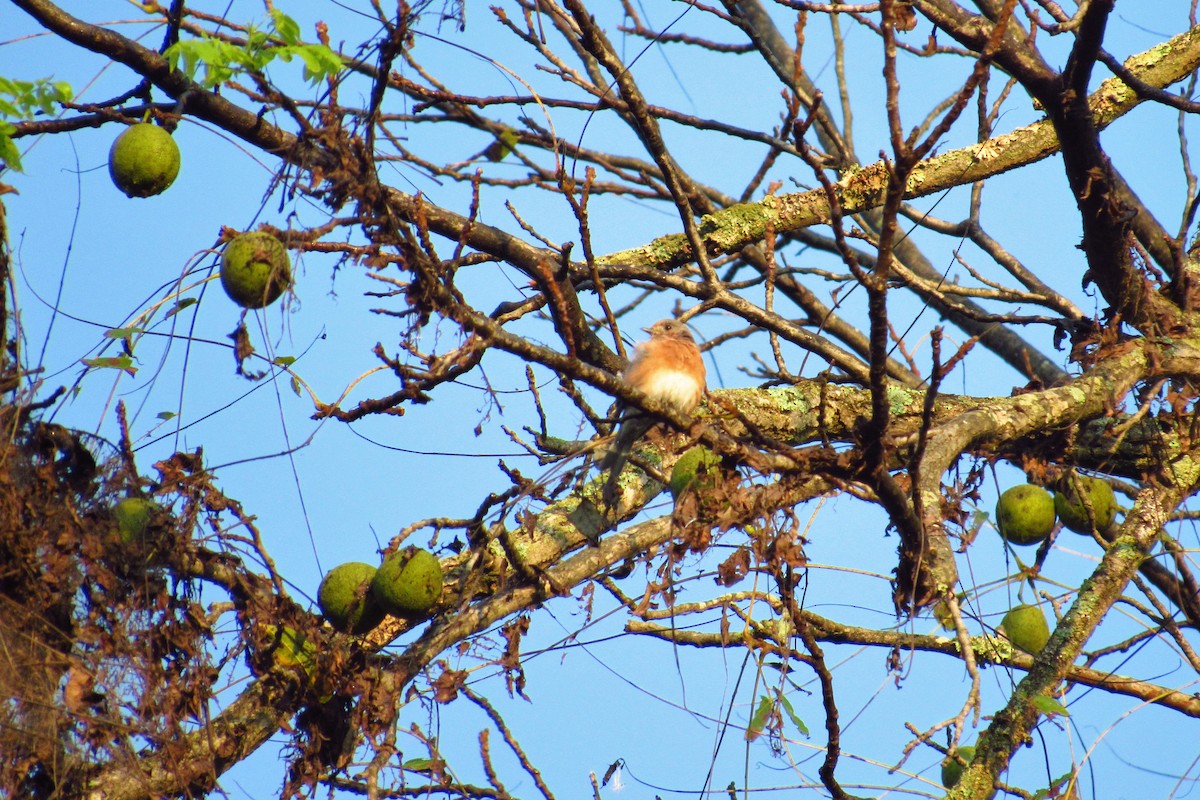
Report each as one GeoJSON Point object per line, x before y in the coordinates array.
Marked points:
{"type": "Point", "coordinates": [669, 371]}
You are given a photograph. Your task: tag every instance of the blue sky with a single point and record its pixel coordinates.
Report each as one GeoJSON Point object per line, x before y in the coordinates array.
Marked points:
{"type": "Point", "coordinates": [349, 490]}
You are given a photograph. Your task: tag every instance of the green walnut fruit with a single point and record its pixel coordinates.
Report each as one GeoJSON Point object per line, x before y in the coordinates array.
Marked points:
{"type": "Point", "coordinates": [133, 518]}
{"type": "Point", "coordinates": [1025, 626]}
{"type": "Point", "coordinates": [144, 160]}
{"type": "Point", "coordinates": [255, 269]}
{"type": "Point", "coordinates": [346, 600]}
{"type": "Point", "coordinates": [952, 770]}
{"type": "Point", "coordinates": [408, 583]}
{"type": "Point", "coordinates": [1071, 510]}
{"type": "Point", "coordinates": [1025, 514]}
{"type": "Point", "coordinates": [693, 468]}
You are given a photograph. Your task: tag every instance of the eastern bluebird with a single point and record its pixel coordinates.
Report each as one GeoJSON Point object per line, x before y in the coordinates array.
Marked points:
{"type": "Point", "coordinates": [668, 368]}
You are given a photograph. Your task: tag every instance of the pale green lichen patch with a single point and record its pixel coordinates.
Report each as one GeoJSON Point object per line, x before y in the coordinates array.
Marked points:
{"type": "Point", "coordinates": [586, 518]}
{"type": "Point", "coordinates": [899, 399]}
{"type": "Point", "coordinates": [801, 210]}
{"type": "Point", "coordinates": [665, 250]}
{"type": "Point", "coordinates": [1149, 58]}
{"type": "Point", "coordinates": [863, 188]}
{"type": "Point", "coordinates": [789, 399]}
{"type": "Point", "coordinates": [1186, 471]}
{"type": "Point", "coordinates": [733, 226]}
{"type": "Point", "coordinates": [987, 647]}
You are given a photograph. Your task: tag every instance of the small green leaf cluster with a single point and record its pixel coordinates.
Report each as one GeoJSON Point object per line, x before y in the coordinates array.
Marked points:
{"type": "Point", "coordinates": [222, 60]}
{"type": "Point", "coordinates": [766, 710]}
{"type": "Point", "coordinates": [20, 100]}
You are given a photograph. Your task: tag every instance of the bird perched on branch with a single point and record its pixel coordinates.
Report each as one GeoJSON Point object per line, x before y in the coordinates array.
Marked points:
{"type": "Point", "coordinates": [668, 368]}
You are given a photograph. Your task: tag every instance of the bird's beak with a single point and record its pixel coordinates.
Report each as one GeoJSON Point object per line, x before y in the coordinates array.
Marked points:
{"type": "Point", "coordinates": [649, 330]}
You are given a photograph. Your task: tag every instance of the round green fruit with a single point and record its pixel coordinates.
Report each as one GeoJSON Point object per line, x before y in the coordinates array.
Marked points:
{"type": "Point", "coordinates": [346, 600]}
{"type": "Point", "coordinates": [133, 518]}
{"type": "Point", "coordinates": [1025, 626]}
{"type": "Point", "coordinates": [408, 583]}
{"type": "Point", "coordinates": [255, 269]}
{"type": "Point", "coordinates": [696, 465]}
{"type": "Point", "coordinates": [952, 770]}
{"type": "Point", "coordinates": [1025, 514]}
{"type": "Point", "coordinates": [1071, 510]}
{"type": "Point", "coordinates": [144, 160]}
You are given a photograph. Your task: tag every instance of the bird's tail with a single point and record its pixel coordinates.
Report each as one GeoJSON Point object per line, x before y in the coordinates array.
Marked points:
{"type": "Point", "coordinates": [631, 430]}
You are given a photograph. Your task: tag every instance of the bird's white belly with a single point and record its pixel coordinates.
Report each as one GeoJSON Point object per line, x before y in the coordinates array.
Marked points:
{"type": "Point", "coordinates": [677, 389]}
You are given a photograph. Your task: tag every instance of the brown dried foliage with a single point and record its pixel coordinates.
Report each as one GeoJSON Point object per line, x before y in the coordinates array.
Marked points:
{"type": "Point", "coordinates": [102, 654]}
{"type": "Point", "coordinates": [106, 655]}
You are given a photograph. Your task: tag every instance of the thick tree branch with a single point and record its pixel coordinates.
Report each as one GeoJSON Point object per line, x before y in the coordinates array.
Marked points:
{"type": "Point", "coordinates": [1101, 194]}
{"type": "Point", "coordinates": [743, 224]}
{"type": "Point", "coordinates": [968, 316]}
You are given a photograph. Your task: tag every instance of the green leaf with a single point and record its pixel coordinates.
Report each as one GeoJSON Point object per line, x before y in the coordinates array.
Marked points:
{"type": "Point", "coordinates": [222, 61]}
{"type": "Point", "coordinates": [285, 26]}
{"type": "Point", "coordinates": [166, 415]}
{"type": "Point", "coordinates": [177, 53]}
{"type": "Point", "coordinates": [1056, 788]}
{"type": "Point", "coordinates": [284, 361]}
{"type": "Point", "coordinates": [319, 61]}
{"type": "Point", "coordinates": [123, 363]}
{"type": "Point", "coordinates": [758, 722]}
{"type": "Point", "coordinates": [799, 723]}
{"type": "Point", "coordinates": [123, 333]}
{"type": "Point", "coordinates": [1049, 706]}
{"type": "Point", "coordinates": [418, 764]}
{"type": "Point", "coordinates": [21, 100]}
{"type": "Point", "coordinates": [28, 97]}
{"type": "Point", "coordinates": [257, 42]}
{"type": "Point", "coordinates": [296, 385]}
{"type": "Point", "coordinates": [504, 144]}
{"type": "Point", "coordinates": [181, 305]}
{"type": "Point", "coordinates": [9, 154]}
{"type": "Point", "coordinates": [214, 55]}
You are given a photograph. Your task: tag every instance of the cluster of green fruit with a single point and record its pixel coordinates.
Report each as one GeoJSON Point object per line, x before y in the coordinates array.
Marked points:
{"type": "Point", "coordinates": [255, 270]}
{"type": "Point", "coordinates": [1026, 514]}
{"type": "Point", "coordinates": [355, 597]}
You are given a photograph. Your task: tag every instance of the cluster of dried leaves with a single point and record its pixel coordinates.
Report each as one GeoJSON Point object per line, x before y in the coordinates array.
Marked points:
{"type": "Point", "coordinates": [105, 650]}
